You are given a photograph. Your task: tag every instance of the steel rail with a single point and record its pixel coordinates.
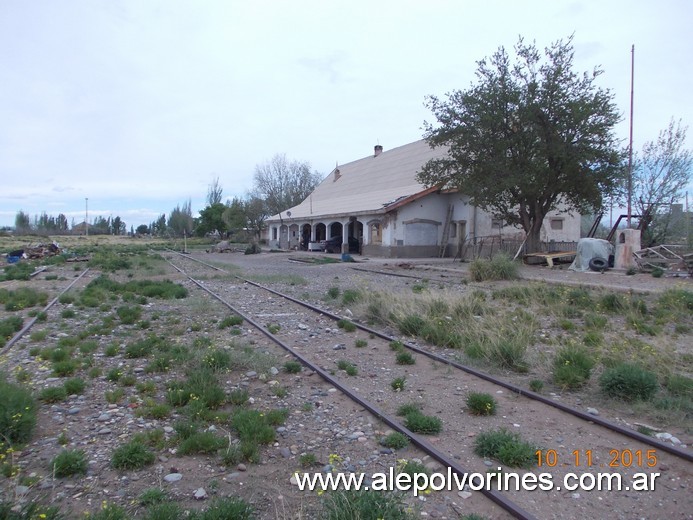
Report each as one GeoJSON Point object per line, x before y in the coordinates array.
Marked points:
{"type": "Point", "coordinates": [654, 442]}
{"type": "Point", "coordinates": [28, 326]}
{"type": "Point", "coordinates": [423, 444]}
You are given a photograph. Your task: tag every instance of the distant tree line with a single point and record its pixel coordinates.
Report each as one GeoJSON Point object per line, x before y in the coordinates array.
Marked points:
{"type": "Point", "coordinates": [45, 224]}
{"type": "Point", "coordinates": [278, 185]}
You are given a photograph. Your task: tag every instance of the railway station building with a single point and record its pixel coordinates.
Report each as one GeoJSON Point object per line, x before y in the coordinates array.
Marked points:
{"type": "Point", "coordinates": [375, 206]}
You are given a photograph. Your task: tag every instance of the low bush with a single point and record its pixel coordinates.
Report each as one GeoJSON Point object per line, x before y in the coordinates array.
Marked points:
{"type": "Point", "coordinates": [500, 267]}
{"type": "Point", "coordinates": [411, 325]}
{"type": "Point", "coordinates": [481, 404]}
{"type": "Point", "coordinates": [73, 386]}
{"type": "Point", "coordinates": [202, 442]}
{"type": "Point", "coordinates": [404, 358]}
{"type": "Point", "coordinates": [398, 383]}
{"type": "Point", "coordinates": [395, 441]}
{"type": "Point", "coordinates": [230, 321]}
{"type": "Point", "coordinates": [366, 505]}
{"type": "Point", "coordinates": [572, 367]}
{"type": "Point", "coordinates": [351, 296]}
{"type": "Point", "coordinates": [425, 424]}
{"type": "Point", "coordinates": [133, 455]}
{"type": "Point", "coordinates": [506, 447]}
{"type": "Point", "coordinates": [9, 327]}
{"type": "Point", "coordinates": [346, 325]}
{"type": "Point", "coordinates": [68, 463]}
{"type": "Point", "coordinates": [53, 394]}
{"type": "Point", "coordinates": [292, 367]}
{"type": "Point", "coordinates": [17, 412]}
{"type": "Point", "coordinates": [129, 315]}
{"type": "Point", "coordinates": [629, 382]}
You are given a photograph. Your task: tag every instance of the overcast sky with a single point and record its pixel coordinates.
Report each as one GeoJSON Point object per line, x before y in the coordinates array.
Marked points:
{"type": "Point", "coordinates": [138, 105]}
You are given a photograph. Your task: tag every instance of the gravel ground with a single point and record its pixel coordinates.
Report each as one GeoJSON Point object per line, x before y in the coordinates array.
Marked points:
{"type": "Point", "coordinates": [321, 421]}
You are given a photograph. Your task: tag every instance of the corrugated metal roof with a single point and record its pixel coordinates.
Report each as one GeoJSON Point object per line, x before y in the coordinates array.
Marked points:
{"type": "Point", "coordinates": [367, 185]}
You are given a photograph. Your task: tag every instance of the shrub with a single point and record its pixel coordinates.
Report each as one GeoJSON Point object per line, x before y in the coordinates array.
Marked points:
{"type": "Point", "coordinates": [679, 385]}
{"type": "Point", "coordinates": [407, 409]}
{"type": "Point", "coordinates": [395, 441]}
{"type": "Point", "coordinates": [129, 315]}
{"type": "Point", "coordinates": [67, 314]}
{"type": "Point", "coordinates": [346, 325]}
{"type": "Point", "coordinates": [252, 425]}
{"type": "Point", "coordinates": [398, 383]}
{"type": "Point", "coordinates": [481, 404]}
{"type": "Point", "coordinates": [350, 296]}
{"type": "Point", "coordinates": [628, 382]}
{"type": "Point", "coordinates": [405, 358]}
{"type": "Point", "coordinates": [572, 367]}
{"type": "Point", "coordinates": [217, 359]}
{"type": "Point", "coordinates": [506, 447]}
{"type": "Point", "coordinates": [500, 267]}
{"type": "Point", "coordinates": [333, 292]}
{"type": "Point", "coordinates": [273, 328]}
{"type": "Point", "coordinates": [411, 325]}
{"type": "Point", "coordinates": [292, 367]}
{"type": "Point", "coordinates": [202, 442]}
{"type": "Point", "coordinates": [361, 343]}
{"type": "Point", "coordinates": [69, 462]}
{"type": "Point", "coordinates": [657, 272]}
{"type": "Point", "coordinates": [230, 321]}
{"type": "Point", "coordinates": [109, 512]}
{"type": "Point", "coordinates": [536, 385]}
{"type": "Point", "coordinates": [76, 385]}
{"type": "Point", "coordinates": [164, 511]}
{"type": "Point", "coordinates": [152, 496]}
{"type": "Point", "coordinates": [612, 303]}
{"type": "Point", "coordinates": [53, 394]}
{"type": "Point", "coordinates": [133, 455]}
{"type": "Point", "coordinates": [238, 397]}
{"type": "Point", "coordinates": [366, 505]}
{"type": "Point", "coordinates": [114, 374]}
{"type": "Point", "coordinates": [420, 423]}
{"type": "Point", "coordinates": [508, 351]}
{"type": "Point", "coordinates": [307, 460]}
{"type": "Point", "coordinates": [396, 345]}
{"type": "Point", "coordinates": [113, 396]}
{"type": "Point", "coordinates": [349, 368]}
{"type": "Point", "coordinates": [17, 412]}
{"type": "Point", "coordinates": [8, 328]}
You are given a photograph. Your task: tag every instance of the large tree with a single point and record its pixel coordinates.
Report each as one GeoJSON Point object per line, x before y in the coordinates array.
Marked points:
{"type": "Point", "coordinates": [530, 137]}
{"type": "Point", "coordinates": [660, 178]}
{"type": "Point", "coordinates": [283, 184]}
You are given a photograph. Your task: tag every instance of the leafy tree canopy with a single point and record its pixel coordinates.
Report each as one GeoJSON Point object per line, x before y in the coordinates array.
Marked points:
{"type": "Point", "coordinates": [529, 136]}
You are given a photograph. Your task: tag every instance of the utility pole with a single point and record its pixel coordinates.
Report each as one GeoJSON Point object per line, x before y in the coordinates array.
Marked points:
{"type": "Point", "coordinates": [630, 146]}
{"type": "Point", "coordinates": [86, 215]}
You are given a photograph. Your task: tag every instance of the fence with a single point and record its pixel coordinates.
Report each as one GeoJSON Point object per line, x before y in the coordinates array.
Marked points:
{"type": "Point", "coordinates": [486, 247]}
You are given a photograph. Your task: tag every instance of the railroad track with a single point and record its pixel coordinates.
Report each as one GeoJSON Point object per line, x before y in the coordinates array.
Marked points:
{"type": "Point", "coordinates": [571, 435]}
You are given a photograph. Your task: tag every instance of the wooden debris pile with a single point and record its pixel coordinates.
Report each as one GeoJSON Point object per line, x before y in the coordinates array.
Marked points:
{"type": "Point", "coordinates": [675, 260]}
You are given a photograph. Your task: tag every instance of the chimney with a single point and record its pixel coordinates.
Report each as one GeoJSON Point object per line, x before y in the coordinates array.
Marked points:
{"type": "Point", "coordinates": [378, 149]}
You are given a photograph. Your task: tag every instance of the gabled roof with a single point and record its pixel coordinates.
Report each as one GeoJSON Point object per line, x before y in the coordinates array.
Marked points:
{"type": "Point", "coordinates": [374, 184]}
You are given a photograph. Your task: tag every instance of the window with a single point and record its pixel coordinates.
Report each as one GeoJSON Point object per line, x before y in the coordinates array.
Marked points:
{"type": "Point", "coordinates": [556, 224]}
{"type": "Point", "coordinates": [274, 233]}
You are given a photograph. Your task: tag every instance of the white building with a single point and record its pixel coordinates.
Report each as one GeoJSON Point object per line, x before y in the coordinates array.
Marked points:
{"type": "Point", "coordinates": [376, 205]}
